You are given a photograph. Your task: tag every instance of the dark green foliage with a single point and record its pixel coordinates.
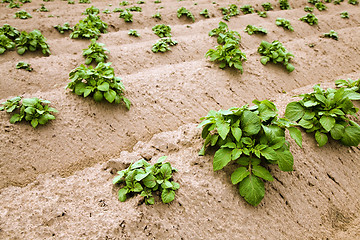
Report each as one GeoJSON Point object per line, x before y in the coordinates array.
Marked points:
{"type": "Point", "coordinates": [313, 1]}
{"type": "Point", "coordinates": [250, 29]}
{"type": "Point", "coordinates": [127, 16]}
{"type": "Point", "coordinates": [325, 112]}
{"type": "Point", "coordinates": [134, 33]}
{"type": "Point", "coordinates": [24, 65]}
{"type": "Point", "coordinates": [344, 14]}
{"type": "Point", "coordinates": [43, 8]}
{"type": "Point", "coordinates": [25, 1]}
{"type": "Point", "coordinates": [34, 110]}
{"type": "Point", "coordinates": [332, 34]}
{"type": "Point", "coordinates": [84, 1]}
{"type": "Point", "coordinates": [99, 82]}
{"type": "Point", "coordinates": [222, 33]}
{"type": "Point", "coordinates": [320, 6]}
{"type": "Point", "coordinates": [157, 15]}
{"type": "Point", "coordinates": [205, 13]}
{"type": "Point", "coordinates": [22, 14]}
{"type": "Point", "coordinates": [5, 43]}
{"type": "Point", "coordinates": [267, 6]}
{"type": "Point", "coordinates": [284, 5]}
{"type": "Point", "coordinates": [144, 178]}
{"type": "Point", "coordinates": [351, 84]}
{"type": "Point", "coordinates": [140, 2]}
{"type": "Point", "coordinates": [262, 14]}
{"type": "Point", "coordinates": [353, 2]}
{"type": "Point", "coordinates": [282, 22]}
{"type": "Point", "coordinates": [135, 9]}
{"type": "Point", "coordinates": [9, 31]}
{"type": "Point", "coordinates": [229, 12]}
{"type": "Point", "coordinates": [91, 10]}
{"type": "Point", "coordinates": [308, 9]}
{"type": "Point", "coordinates": [124, 3]}
{"type": "Point", "coordinates": [247, 9]}
{"type": "Point", "coordinates": [13, 5]}
{"type": "Point", "coordinates": [162, 30]}
{"type": "Point", "coordinates": [276, 53]}
{"type": "Point", "coordinates": [32, 41]}
{"type": "Point", "coordinates": [251, 138]}
{"type": "Point", "coordinates": [89, 27]}
{"type": "Point", "coordinates": [310, 18]}
{"type": "Point", "coordinates": [183, 11]}
{"type": "Point", "coordinates": [163, 45]}
{"type": "Point", "coordinates": [62, 29]}
{"type": "Point", "coordinates": [95, 51]}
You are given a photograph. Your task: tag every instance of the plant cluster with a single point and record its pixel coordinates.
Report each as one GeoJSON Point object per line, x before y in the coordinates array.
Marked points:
{"type": "Point", "coordinates": [328, 1]}
{"type": "Point", "coordinates": [325, 112]}
{"type": "Point", "coordinates": [157, 15]}
{"type": "Point", "coordinates": [163, 45]}
{"type": "Point", "coordinates": [320, 6]}
{"type": "Point", "coordinates": [5, 43]}
{"type": "Point", "coordinates": [282, 22]}
{"type": "Point", "coordinates": [84, 1]}
{"type": "Point", "coordinates": [352, 84]}
{"type": "Point", "coordinates": [229, 12]}
{"type": "Point", "coordinates": [205, 13]}
{"type": "Point", "coordinates": [183, 11]}
{"type": "Point", "coordinates": [91, 11]}
{"type": "Point", "coordinates": [344, 14]}
{"type": "Point", "coordinates": [144, 178]}
{"type": "Point", "coordinates": [313, 1]}
{"type": "Point", "coordinates": [99, 82]}
{"type": "Point", "coordinates": [262, 14]}
{"type": "Point", "coordinates": [25, 1]}
{"type": "Point", "coordinates": [247, 9]}
{"type": "Point", "coordinates": [89, 27]}
{"type": "Point", "coordinates": [124, 3]}
{"type": "Point", "coordinates": [126, 15]}
{"type": "Point", "coordinates": [32, 41]}
{"type": "Point", "coordinates": [95, 51]}
{"type": "Point", "coordinates": [8, 34]}
{"type": "Point", "coordinates": [223, 33]}
{"type": "Point", "coordinates": [284, 5]}
{"type": "Point", "coordinates": [22, 14]}
{"type": "Point", "coordinates": [24, 65]}
{"type": "Point", "coordinates": [43, 8]}
{"type": "Point", "coordinates": [353, 2]}
{"type": "Point", "coordinates": [140, 2]}
{"type": "Point", "coordinates": [162, 30]}
{"type": "Point", "coordinates": [134, 9]}
{"type": "Point", "coordinates": [276, 53]}
{"type": "Point", "coordinates": [13, 5]}
{"type": "Point", "coordinates": [250, 29]}
{"type": "Point", "coordinates": [134, 33]}
{"type": "Point", "coordinates": [34, 110]}
{"type": "Point", "coordinates": [310, 18]}
{"type": "Point", "coordinates": [251, 137]}
{"type": "Point", "coordinates": [62, 29]}
{"type": "Point", "coordinates": [337, 2]}
{"type": "Point", "coordinates": [332, 34]}
{"type": "Point", "coordinates": [267, 6]}
{"type": "Point", "coordinates": [308, 9]}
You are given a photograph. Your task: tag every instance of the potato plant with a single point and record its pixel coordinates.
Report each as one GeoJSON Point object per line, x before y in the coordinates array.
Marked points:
{"type": "Point", "coordinates": [157, 15]}
{"type": "Point", "coordinates": [262, 14]}
{"type": "Point", "coordinates": [24, 65]}
{"type": "Point", "coordinates": [34, 110]}
{"type": "Point", "coordinates": [326, 112]}
{"type": "Point", "coordinates": [222, 33]}
{"type": "Point", "coordinates": [31, 42]}
{"type": "Point", "coordinates": [64, 28]}
{"type": "Point", "coordinates": [308, 9]}
{"type": "Point", "coordinates": [229, 12]}
{"type": "Point", "coordinates": [134, 9]}
{"type": "Point", "coordinates": [99, 82]}
{"type": "Point", "coordinates": [344, 14]}
{"type": "Point", "coordinates": [205, 13]}
{"type": "Point", "coordinates": [91, 10]}
{"type": "Point", "coordinates": [5, 43]}
{"type": "Point", "coordinates": [267, 6]}
{"type": "Point", "coordinates": [22, 14]}
{"type": "Point", "coordinates": [9, 31]}
{"type": "Point", "coordinates": [250, 138]}
{"type": "Point", "coordinates": [353, 2]}
{"type": "Point", "coordinates": [282, 22]}
{"type": "Point", "coordinates": [43, 8]}
{"type": "Point", "coordinates": [276, 53]}
{"type": "Point", "coordinates": [250, 29]}
{"type": "Point", "coordinates": [89, 27]}
{"type": "Point", "coordinates": [163, 45]}
{"type": "Point", "coordinates": [126, 15]}
{"type": "Point", "coordinates": [309, 18]}
{"type": "Point", "coordinates": [146, 179]}
{"type": "Point", "coordinates": [162, 30]}
{"type": "Point", "coordinates": [95, 51]}
{"type": "Point", "coordinates": [351, 84]}
{"type": "Point", "coordinates": [184, 12]}
{"type": "Point", "coordinates": [332, 34]}
{"type": "Point", "coordinates": [247, 9]}
{"type": "Point", "coordinates": [13, 5]}
{"type": "Point", "coordinates": [320, 6]}
{"type": "Point", "coordinates": [284, 5]}
{"type": "Point", "coordinates": [134, 33]}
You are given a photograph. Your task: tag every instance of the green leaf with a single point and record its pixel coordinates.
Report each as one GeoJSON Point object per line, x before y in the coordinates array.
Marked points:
{"type": "Point", "coordinates": [110, 95]}
{"type": "Point", "coordinates": [327, 122]}
{"type": "Point", "coordinates": [122, 194]}
{"type": "Point", "coordinates": [166, 184]}
{"type": "Point", "coordinates": [30, 102]}
{"type": "Point", "coordinates": [15, 118]}
{"type": "Point", "coordinates": [237, 133]}
{"type": "Point", "coordinates": [239, 174]}
{"type": "Point", "coordinates": [262, 173]}
{"type": "Point", "coordinates": [137, 187]}
{"type": "Point", "coordinates": [223, 129]}
{"type": "Point", "coordinates": [306, 124]}
{"type": "Point", "coordinates": [285, 160]}
{"type": "Point", "coordinates": [221, 158]}
{"type": "Point", "coordinates": [80, 88]}
{"type": "Point", "coordinates": [118, 178]}
{"type": "Point", "coordinates": [176, 186]}
{"type": "Point", "coordinates": [252, 189]}
{"type": "Point", "coordinates": [104, 87]}
{"type": "Point", "coordinates": [149, 181]}
{"type": "Point", "coordinates": [296, 135]}
{"type": "Point", "coordinates": [34, 122]}
{"type": "Point", "coordinates": [337, 131]}
{"type": "Point", "coordinates": [150, 200]}
{"type": "Point", "coordinates": [294, 111]}
{"type": "Point", "coordinates": [269, 153]}
{"type": "Point", "coordinates": [166, 171]}
{"type": "Point", "coordinates": [236, 153]}
{"type": "Point", "coordinates": [351, 136]}
{"type": "Point", "coordinates": [140, 177]}
{"type": "Point", "coordinates": [321, 138]}
{"type": "Point", "coordinates": [243, 161]}
{"type": "Point", "coordinates": [250, 123]}
{"type": "Point", "coordinates": [167, 195]}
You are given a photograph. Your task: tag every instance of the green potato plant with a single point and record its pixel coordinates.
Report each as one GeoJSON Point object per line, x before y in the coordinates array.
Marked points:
{"type": "Point", "coordinates": [34, 110]}
{"type": "Point", "coordinates": [146, 179]}
{"type": "Point", "coordinates": [251, 138]}
{"type": "Point", "coordinates": [353, 2]}
{"type": "Point", "coordinates": [326, 112]}
{"type": "Point", "coordinates": [22, 14]}
{"type": "Point", "coordinates": [157, 15]}
{"type": "Point", "coordinates": [124, 3]}
{"type": "Point", "coordinates": [163, 45]}
{"type": "Point", "coordinates": [9, 31]}
{"type": "Point", "coordinates": [351, 84]}
{"type": "Point", "coordinates": [32, 41]}
{"type": "Point", "coordinates": [344, 14]}
{"type": "Point", "coordinates": [99, 82]}
{"type": "Point", "coordinates": [320, 6]}
{"type": "Point", "coordinates": [250, 29]}
{"type": "Point", "coordinates": [222, 33]}
{"type": "Point", "coordinates": [247, 9]}
{"type": "Point", "coordinates": [13, 5]}
{"type": "Point", "coordinates": [24, 65]}
{"type": "Point", "coordinates": [308, 9]}
{"type": "Point", "coordinates": [267, 6]}
{"type": "Point", "coordinates": [134, 33]}
{"type": "Point", "coordinates": [205, 13]}
{"type": "Point", "coordinates": [84, 1]}
{"type": "Point", "coordinates": [284, 5]}
{"type": "Point", "coordinates": [64, 28]}
{"type": "Point", "coordinates": [276, 53]}
{"type": "Point", "coordinates": [134, 9]}
{"type": "Point", "coordinates": [262, 14]}
{"type": "Point", "coordinates": [89, 27]}
{"type": "Point", "coordinates": [282, 22]}
{"type": "Point", "coordinates": [162, 30]}
{"type": "Point", "coordinates": [127, 16]}
{"type": "Point", "coordinates": [310, 18]}
{"type": "Point", "coordinates": [91, 11]}
{"type": "Point", "coordinates": [5, 43]}
{"type": "Point", "coordinates": [332, 34]}
{"type": "Point", "coordinates": [95, 51]}
{"type": "Point", "coordinates": [184, 12]}
{"type": "Point", "coordinates": [43, 8]}
{"type": "Point", "coordinates": [229, 12]}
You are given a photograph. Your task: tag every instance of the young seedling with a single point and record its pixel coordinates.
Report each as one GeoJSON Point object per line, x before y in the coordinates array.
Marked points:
{"type": "Point", "coordinates": [183, 11]}
{"type": "Point", "coordinates": [337, 2]}
{"type": "Point", "coordinates": [32, 41]}
{"type": "Point", "coordinates": [310, 18]}
{"type": "Point", "coordinates": [262, 14]}
{"type": "Point", "coordinates": [326, 112]}
{"type": "Point", "coordinates": [95, 51]}
{"type": "Point", "coordinates": [71, 2]}
{"type": "Point", "coordinates": [13, 5]}
{"type": "Point", "coordinates": [284, 5]}
{"type": "Point", "coordinates": [24, 65]}
{"type": "Point", "coordinates": [134, 33]}
{"type": "Point", "coordinates": [163, 45]}
{"type": "Point", "coordinates": [43, 8]}
{"type": "Point", "coordinates": [313, 1]}
{"type": "Point", "coordinates": [247, 9]}
{"type": "Point", "coordinates": [344, 14]}
{"type": "Point", "coordinates": [5, 43]}
{"type": "Point", "coordinates": [91, 10]}
{"type": "Point", "coordinates": [34, 110]}
{"type": "Point", "coordinates": [62, 29]}
{"type": "Point", "coordinates": [25, 1]}
{"type": "Point", "coordinates": [250, 29]}
{"type": "Point", "coordinates": [282, 22]}
{"type": "Point", "coordinates": [308, 9]}
{"type": "Point", "coordinates": [267, 6]}
{"type": "Point", "coordinates": [276, 53]}
{"type": "Point", "coordinates": [140, 2]}
{"type": "Point", "coordinates": [134, 9]}
{"type": "Point", "coordinates": [205, 13]}
{"type": "Point", "coordinates": [157, 15]}
{"type": "Point", "coordinates": [127, 16]}
{"type": "Point", "coordinates": [84, 1]}
{"type": "Point", "coordinates": [223, 33]}
{"type": "Point", "coordinates": [353, 2]}
{"type": "Point", "coordinates": [99, 82]}
{"type": "Point", "coordinates": [332, 34]}
{"type": "Point", "coordinates": [251, 138]}
{"type": "Point", "coordinates": [157, 1]}
{"type": "Point", "coordinates": [320, 6]}
{"type": "Point", "coordinates": [118, 10]}
{"type": "Point", "coordinates": [354, 85]}
{"type": "Point", "coordinates": [146, 179]}
{"type": "Point", "coordinates": [328, 1]}
{"type": "Point", "coordinates": [9, 31]}
{"type": "Point", "coordinates": [90, 27]}
{"type": "Point", "coordinates": [22, 14]}
{"type": "Point", "coordinates": [229, 12]}
{"type": "Point", "coordinates": [124, 3]}
{"type": "Point", "coordinates": [162, 30]}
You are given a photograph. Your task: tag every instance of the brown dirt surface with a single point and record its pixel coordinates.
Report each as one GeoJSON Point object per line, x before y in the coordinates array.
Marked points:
{"type": "Point", "coordinates": [55, 180]}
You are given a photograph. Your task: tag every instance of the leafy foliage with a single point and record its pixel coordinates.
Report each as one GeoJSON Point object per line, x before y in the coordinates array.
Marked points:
{"type": "Point", "coordinates": [24, 65]}
{"type": "Point", "coordinates": [144, 178]}
{"type": "Point", "coordinates": [325, 112]}
{"type": "Point", "coordinates": [320, 6]}
{"type": "Point", "coordinates": [91, 10]}
{"type": "Point", "coordinates": [282, 22]}
{"type": "Point", "coordinates": [5, 43]}
{"type": "Point", "coordinates": [163, 45]}
{"type": "Point", "coordinates": [262, 14]}
{"type": "Point", "coordinates": [310, 18]}
{"type": "Point", "coordinates": [62, 29]}
{"type": "Point", "coordinates": [43, 8]}
{"type": "Point", "coordinates": [99, 82]}
{"type": "Point", "coordinates": [250, 29]}
{"type": "Point", "coordinates": [134, 33]}
{"type": "Point", "coordinates": [162, 30]}
{"type": "Point", "coordinates": [205, 13]}
{"type": "Point", "coordinates": [352, 84]}
{"type": "Point", "coordinates": [89, 27]}
{"type": "Point", "coordinates": [34, 110]}
{"type": "Point", "coordinates": [344, 14]}
{"type": "Point", "coordinates": [247, 9]}
{"type": "Point", "coordinates": [95, 51]}
{"type": "Point", "coordinates": [134, 9]}
{"type": "Point", "coordinates": [140, 2]}
{"type": "Point", "coordinates": [9, 31]}
{"type": "Point", "coordinates": [284, 5]}
{"type": "Point", "coordinates": [127, 16]}
{"type": "Point", "coordinates": [22, 14]}
{"type": "Point", "coordinates": [84, 1]}
{"type": "Point", "coordinates": [252, 137]}
{"type": "Point", "coordinates": [183, 11]}
{"type": "Point", "coordinates": [229, 12]}
{"type": "Point", "coordinates": [13, 5]}
{"type": "Point", "coordinates": [124, 3]}
{"type": "Point", "coordinates": [267, 6]}
{"type": "Point", "coordinates": [157, 15]}
{"type": "Point", "coordinates": [308, 9]}
{"type": "Point", "coordinates": [276, 53]}
{"type": "Point", "coordinates": [353, 2]}
{"type": "Point", "coordinates": [222, 33]}
{"type": "Point", "coordinates": [25, 1]}
{"type": "Point", "coordinates": [313, 1]}
{"type": "Point", "coordinates": [332, 34]}
{"type": "Point", "coordinates": [32, 41]}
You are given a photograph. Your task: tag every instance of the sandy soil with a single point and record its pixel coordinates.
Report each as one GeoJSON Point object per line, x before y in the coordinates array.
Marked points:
{"type": "Point", "coordinates": [55, 180]}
